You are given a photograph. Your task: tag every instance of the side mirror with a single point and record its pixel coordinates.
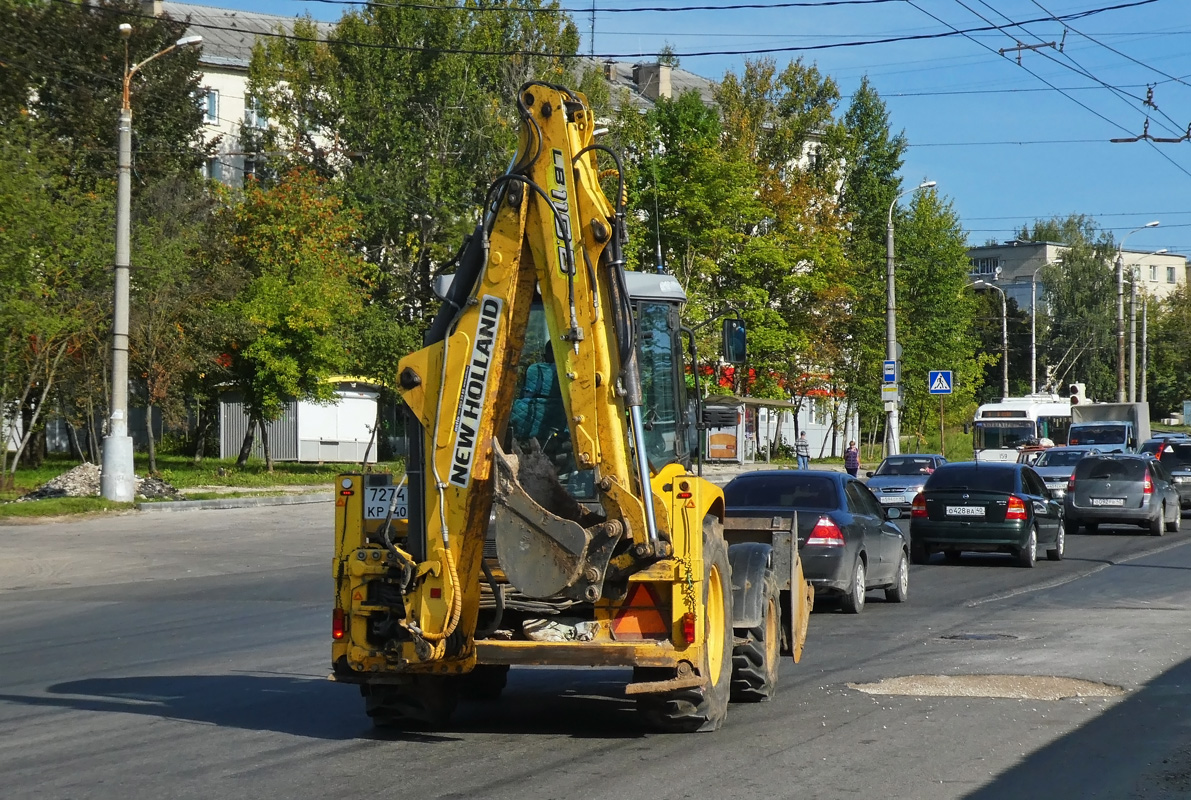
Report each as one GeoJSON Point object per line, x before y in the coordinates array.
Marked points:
{"type": "Point", "coordinates": [893, 513]}
{"type": "Point", "coordinates": [868, 474]}
{"type": "Point", "coordinates": [735, 346]}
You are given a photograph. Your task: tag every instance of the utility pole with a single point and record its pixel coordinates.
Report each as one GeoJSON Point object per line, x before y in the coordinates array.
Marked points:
{"type": "Point", "coordinates": [1121, 309]}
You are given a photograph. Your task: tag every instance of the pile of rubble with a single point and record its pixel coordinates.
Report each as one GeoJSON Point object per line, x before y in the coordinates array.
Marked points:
{"type": "Point", "coordinates": [83, 481]}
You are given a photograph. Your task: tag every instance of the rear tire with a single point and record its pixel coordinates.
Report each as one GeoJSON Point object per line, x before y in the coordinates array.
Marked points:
{"type": "Point", "coordinates": [1070, 527]}
{"type": "Point", "coordinates": [704, 707]}
{"type": "Point", "coordinates": [1028, 556]}
{"type": "Point", "coordinates": [900, 590]}
{"type": "Point", "coordinates": [1056, 553]}
{"type": "Point", "coordinates": [423, 701]}
{"type": "Point", "coordinates": [485, 683]}
{"type": "Point", "coordinates": [1157, 524]}
{"type": "Point", "coordinates": [853, 601]}
{"type": "Point", "coordinates": [918, 553]}
{"type": "Point", "coordinates": [754, 663]}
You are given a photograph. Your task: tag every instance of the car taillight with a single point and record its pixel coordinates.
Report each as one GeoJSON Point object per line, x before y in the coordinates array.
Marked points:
{"type": "Point", "coordinates": [338, 624]}
{"type": "Point", "coordinates": [1071, 484]}
{"type": "Point", "coordinates": [1148, 487]}
{"type": "Point", "coordinates": [826, 532]}
{"type": "Point", "coordinates": [1017, 508]}
{"type": "Point", "coordinates": [918, 506]}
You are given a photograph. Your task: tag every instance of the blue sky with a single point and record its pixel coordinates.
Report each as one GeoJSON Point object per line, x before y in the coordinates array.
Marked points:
{"type": "Point", "coordinates": [1005, 147]}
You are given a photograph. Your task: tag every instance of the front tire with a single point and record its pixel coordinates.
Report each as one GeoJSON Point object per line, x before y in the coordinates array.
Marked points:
{"type": "Point", "coordinates": [703, 707]}
{"type": "Point", "coordinates": [1027, 556]}
{"type": "Point", "coordinates": [754, 663]}
{"type": "Point", "coordinates": [1056, 553]}
{"type": "Point", "coordinates": [900, 590]}
{"type": "Point", "coordinates": [1177, 523]}
{"type": "Point", "coordinates": [853, 601]}
{"type": "Point", "coordinates": [423, 701]}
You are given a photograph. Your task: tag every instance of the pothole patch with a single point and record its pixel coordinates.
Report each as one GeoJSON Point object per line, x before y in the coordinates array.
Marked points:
{"type": "Point", "coordinates": [1013, 687]}
{"type": "Point", "coordinates": [978, 637]}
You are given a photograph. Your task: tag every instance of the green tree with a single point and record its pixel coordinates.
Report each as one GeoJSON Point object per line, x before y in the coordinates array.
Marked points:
{"type": "Point", "coordinates": [303, 282]}
{"type": "Point", "coordinates": [937, 312]}
{"type": "Point", "coordinates": [1169, 356]}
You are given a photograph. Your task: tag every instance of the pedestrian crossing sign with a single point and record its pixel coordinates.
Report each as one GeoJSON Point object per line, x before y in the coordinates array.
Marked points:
{"type": "Point", "coordinates": [940, 381]}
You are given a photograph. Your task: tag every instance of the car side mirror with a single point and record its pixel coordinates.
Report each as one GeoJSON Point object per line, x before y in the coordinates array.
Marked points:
{"type": "Point", "coordinates": [893, 513]}
{"type": "Point", "coordinates": [735, 341]}
{"type": "Point", "coordinates": [868, 474]}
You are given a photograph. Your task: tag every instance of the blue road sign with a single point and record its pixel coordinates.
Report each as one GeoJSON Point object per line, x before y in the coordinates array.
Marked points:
{"type": "Point", "coordinates": [890, 372]}
{"type": "Point", "coordinates": [940, 381]}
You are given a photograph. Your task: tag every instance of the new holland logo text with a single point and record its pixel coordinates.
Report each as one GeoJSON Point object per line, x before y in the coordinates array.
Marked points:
{"type": "Point", "coordinates": [562, 215]}
{"type": "Point", "coordinates": [475, 387]}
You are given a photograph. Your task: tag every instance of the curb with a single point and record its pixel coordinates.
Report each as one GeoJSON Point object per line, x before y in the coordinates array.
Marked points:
{"type": "Point", "coordinates": [234, 502]}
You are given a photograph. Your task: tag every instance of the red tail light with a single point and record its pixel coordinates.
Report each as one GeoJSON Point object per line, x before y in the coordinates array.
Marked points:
{"type": "Point", "coordinates": [918, 506]}
{"type": "Point", "coordinates": [338, 624]}
{"type": "Point", "coordinates": [826, 532]}
{"type": "Point", "coordinates": [688, 627]}
{"type": "Point", "coordinates": [1148, 488]}
{"type": "Point", "coordinates": [1071, 483]}
{"type": "Point", "coordinates": [1017, 508]}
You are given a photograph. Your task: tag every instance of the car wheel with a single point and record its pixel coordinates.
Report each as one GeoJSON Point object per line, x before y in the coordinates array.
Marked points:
{"type": "Point", "coordinates": [900, 590]}
{"type": "Point", "coordinates": [1056, 553]}
{"type": "Point", "coordinates": [1027, 556]}
{"type": "Point", "coordinates": [1158, 523]}
{"type": "Point", "coordinates": [918, 553]}
{"type": "Point", "coordinates": [1177, 523]}
{"type": "Point", "coordinates": [1070, 527]}
{"type": "Point", "coordinates": [853, 601]}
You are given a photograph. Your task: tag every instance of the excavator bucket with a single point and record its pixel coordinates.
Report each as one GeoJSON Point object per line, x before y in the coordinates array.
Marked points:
{"type": "Point", "coordinates": [542, 553]}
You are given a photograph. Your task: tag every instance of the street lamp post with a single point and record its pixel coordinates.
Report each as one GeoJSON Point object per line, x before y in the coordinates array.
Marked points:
{"type": "Point", "coordinates": [1004, 335]}
{"type": "Point", "coordinates": [1034, 326]}
{"type": "Point", "coordinates": [118, 481]}
{"type": "Point", "coordinates": [1134, 277]}
{"type": "Point", "coordinates": [892, 434]}
{"type": "Point", "coordinates": [1121, 309]}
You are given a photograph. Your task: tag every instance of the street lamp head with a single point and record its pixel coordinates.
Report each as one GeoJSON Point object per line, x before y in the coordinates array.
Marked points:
{"type": "Point", "coordinates": [185, 40]}
{"type": "Point", "coordinates": [125, 30]}
{"type": "Point", "coordinates": [928, 184]}
{"type": "Point", "coordinates": [1153, 224]}
{"type": "Point", "coordinates": [1159, 252]}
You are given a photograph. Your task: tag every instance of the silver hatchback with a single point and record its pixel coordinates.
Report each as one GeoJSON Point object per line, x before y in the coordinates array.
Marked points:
{"type": "Point", "coordinates": [1121, 489]}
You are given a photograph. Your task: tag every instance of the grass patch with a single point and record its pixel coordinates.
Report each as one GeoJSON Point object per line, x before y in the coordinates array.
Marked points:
{"type": "Point", "coordinates": [60, 506]}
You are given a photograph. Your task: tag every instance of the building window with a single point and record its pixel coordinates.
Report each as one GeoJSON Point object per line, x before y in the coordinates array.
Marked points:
{"type": "Point", "coordinates": [1153, 272]}
{"type": "Point", "coordinates": [985, 266]}
{"type": "Point", "coordinates": [211, 106]}
{"type": "Point", "coordinates": [213, 169]}
{"type": "Point", "coordinates": [1170, 274]}
{"type": "Point", "coordinates": [253, 116]}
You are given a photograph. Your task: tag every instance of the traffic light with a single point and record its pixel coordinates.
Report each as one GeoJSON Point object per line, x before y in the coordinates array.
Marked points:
{"type": "Point", "coordinates": [1075, 391]}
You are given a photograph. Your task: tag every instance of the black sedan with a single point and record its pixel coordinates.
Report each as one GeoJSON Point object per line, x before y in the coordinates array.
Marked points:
{"type": "Point", "coordinates": [1123, 489]}
{"type": "Point", "coordinates": [988, 507]}
{"type": "Point", "coordinates": [847, 543]}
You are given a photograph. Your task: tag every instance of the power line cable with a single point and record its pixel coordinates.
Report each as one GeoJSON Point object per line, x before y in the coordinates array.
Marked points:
{"type": "Point", "coordinates": [531, 53]}
{"type": "Point", "coordinates": [590, 10]}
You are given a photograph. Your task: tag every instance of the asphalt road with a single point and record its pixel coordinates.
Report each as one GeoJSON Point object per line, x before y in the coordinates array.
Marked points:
{"type": "Point", "coordinates": [184, 656]}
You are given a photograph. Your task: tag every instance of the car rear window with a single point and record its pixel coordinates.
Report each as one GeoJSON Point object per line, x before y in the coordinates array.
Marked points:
{"type": "Point", "coordinates": [1108, 469]}
{"type": "Point", "coordinates": [1175, 456]}
{"type": "Point", "coordinates": [972, 476]}
{"type": "Point", "coordinates": [1066, 458]}
{"type": "Point", "coordinates": [781, 491]}
{"type": "Point", "coordinates": [905, 465]}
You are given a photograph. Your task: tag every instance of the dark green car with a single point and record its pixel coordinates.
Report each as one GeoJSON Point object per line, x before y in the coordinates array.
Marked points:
{"type": "Point", "coordinates": [986, 507]}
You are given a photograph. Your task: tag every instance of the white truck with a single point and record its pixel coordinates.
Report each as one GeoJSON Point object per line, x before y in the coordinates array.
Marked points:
{"type": "Point", "coordinates": [1109, 427]}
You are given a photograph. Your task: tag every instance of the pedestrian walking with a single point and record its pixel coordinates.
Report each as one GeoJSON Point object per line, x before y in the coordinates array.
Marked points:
{"type": "Point", "coordinates": [852, 459]}
{"type": "Point", "coordinates": [802, 449]}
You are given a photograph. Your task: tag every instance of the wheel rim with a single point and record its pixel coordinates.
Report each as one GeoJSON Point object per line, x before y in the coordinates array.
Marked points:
{"type": "Point", "coordinates": [1033, 546]}
{"type": "Point", "coordinates": [858, 584]}
{"type": "Point", "coordinates": [903, 576]}
{"type": "Point", "coordinates": [715, 624]}
{"type": "Point", "coordinates": [1061, 541]}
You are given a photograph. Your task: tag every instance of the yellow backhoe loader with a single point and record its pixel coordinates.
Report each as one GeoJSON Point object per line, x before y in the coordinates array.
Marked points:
{"type": "Point", "coordinates": [549, 513]}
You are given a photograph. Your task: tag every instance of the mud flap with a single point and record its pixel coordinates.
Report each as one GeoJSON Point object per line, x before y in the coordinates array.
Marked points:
{"type": "Point", "coordinates": [802, 599]}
